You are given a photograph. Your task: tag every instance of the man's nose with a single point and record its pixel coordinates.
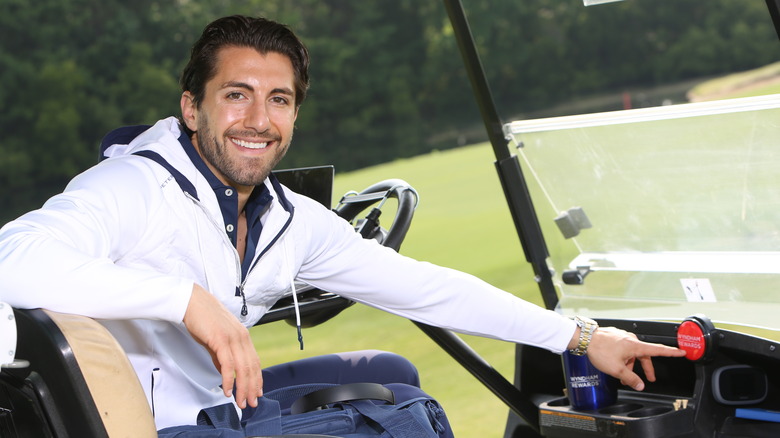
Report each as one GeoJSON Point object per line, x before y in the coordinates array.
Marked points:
{"type": "Point", "coordinates": [257, 117]}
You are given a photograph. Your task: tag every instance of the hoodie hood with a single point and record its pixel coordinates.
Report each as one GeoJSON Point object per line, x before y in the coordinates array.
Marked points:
{"type": "Point", "coordinates": [138, 140]}
{"type": "Point", "coordinates": [128, 139]}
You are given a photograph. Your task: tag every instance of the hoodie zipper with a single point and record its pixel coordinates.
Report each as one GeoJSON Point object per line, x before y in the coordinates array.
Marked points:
{"type": "Point", "coordinates": [279, 235]}
{"type": "Point", "coordinates": [237, 259]}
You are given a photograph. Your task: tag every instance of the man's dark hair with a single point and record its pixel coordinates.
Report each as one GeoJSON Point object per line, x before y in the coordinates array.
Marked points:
{"type": "Point", "coordinates": [261, 34]}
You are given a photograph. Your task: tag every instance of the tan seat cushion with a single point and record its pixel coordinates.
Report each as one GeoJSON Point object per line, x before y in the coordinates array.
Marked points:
{"type": "Point", "coordinates": [110, 377]}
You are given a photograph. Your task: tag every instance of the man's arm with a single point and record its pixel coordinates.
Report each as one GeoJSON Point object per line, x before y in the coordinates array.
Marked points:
{"type": "Point", "coordinates": [61, 257]}
{"type": "Point", "coordinates": [377, 276]}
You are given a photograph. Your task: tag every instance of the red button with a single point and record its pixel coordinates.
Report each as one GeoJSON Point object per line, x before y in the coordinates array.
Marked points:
{"type": "Point", "coordinates": [690, 337]}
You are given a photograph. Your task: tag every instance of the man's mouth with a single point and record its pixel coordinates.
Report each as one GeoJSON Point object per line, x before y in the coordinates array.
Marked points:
{"type": "Point", "coordinates": [249, 144]}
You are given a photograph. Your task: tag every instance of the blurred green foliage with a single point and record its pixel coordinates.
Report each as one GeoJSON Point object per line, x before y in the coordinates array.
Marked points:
{"type": "Point", "coordinates": [388, 80]}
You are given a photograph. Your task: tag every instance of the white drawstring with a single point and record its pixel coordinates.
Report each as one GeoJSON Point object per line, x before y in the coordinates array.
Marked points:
{"type": "Point", "coordinates": [294, 296]}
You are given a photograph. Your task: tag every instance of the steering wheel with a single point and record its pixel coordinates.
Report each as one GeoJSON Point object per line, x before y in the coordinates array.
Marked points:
{"type": "Point", "coordinates": [317, 306]}
{"type": "Point", "coordinates": [353, 204]}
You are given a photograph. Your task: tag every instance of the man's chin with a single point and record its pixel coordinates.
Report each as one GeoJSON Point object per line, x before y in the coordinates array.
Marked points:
{"type": "Point", "coordinates": [257, 174]}
{"type": "Point", "coordinates": [254, 179]}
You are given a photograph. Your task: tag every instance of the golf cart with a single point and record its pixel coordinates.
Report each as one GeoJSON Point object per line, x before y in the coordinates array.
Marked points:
{"type": "Point", "coordinates": [648, 233]}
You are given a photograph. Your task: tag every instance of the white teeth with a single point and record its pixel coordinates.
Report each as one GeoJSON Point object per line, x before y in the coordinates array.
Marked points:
{"type": "Point", "coordinates": [249, 145]}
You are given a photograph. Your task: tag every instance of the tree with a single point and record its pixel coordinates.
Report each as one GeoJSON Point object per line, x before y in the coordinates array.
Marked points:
{"type": "Point", "coordinates": [387, 78]}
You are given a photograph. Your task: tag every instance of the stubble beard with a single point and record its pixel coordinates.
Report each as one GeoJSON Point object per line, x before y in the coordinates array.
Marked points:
{"type": "Point", "coordinates": [238, 171]}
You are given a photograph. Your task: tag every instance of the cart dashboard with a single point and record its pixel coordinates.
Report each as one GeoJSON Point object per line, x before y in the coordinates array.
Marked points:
{"type": "Point", "coordinates": [732, 391]}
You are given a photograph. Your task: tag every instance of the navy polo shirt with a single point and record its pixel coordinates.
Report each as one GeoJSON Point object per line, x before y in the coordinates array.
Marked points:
{"type": "Point", "coordinates": [259, 201]}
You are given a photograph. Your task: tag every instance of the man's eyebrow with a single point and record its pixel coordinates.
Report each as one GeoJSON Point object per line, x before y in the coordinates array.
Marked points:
{"type": "Point", "coordinates": [284, 90]}
{"type": "Point", "coordinates": [237, 84]}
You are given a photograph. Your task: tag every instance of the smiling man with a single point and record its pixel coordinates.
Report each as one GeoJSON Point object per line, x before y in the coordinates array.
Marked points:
{"type": "Point", "coordinates": [181, 239]}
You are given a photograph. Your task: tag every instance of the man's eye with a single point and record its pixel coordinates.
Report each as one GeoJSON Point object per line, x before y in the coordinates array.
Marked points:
{"type": "Point", "coordinates": [234, 95]}
{"type": "Point", "coordinates": [280, 100]}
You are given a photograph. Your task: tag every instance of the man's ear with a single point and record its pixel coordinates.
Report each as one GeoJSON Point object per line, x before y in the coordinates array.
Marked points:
{"type": "Point", "coordinates": [189, 111]}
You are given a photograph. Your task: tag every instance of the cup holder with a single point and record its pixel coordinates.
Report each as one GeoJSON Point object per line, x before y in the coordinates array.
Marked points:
{"type": "Point", "coordinates": [620, 409]}
{"type": "Point", "coordinates": [626, 408]}
{"type": "Point", "coordinates": [649, 412]}
{"type": "Point", "coordinates": [559, 402]}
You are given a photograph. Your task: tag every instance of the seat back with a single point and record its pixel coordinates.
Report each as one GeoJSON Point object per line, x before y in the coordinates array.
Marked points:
{"type": "Point", "coordinates": [79, 382]}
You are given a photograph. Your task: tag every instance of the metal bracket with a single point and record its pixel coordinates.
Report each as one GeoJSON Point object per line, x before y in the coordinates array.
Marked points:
{"type": "Point", "coordinates": [575, 276]}
{"type": "Point", "coordinates": [572, 221]}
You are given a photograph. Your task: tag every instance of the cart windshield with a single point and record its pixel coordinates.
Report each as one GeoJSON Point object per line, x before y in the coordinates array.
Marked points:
{"type": "Point", "coordinates": [664, 212]}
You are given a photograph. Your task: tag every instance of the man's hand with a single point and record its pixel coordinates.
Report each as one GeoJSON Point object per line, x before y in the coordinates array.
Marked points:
{"type": "Point", "coordinates": [229, 344]}
{"type": "Point", "coordinates": [614, 352]}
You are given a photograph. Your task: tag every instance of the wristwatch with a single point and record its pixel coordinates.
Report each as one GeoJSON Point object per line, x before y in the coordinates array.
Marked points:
{"type": "Point", "coordinates": [587, 327]}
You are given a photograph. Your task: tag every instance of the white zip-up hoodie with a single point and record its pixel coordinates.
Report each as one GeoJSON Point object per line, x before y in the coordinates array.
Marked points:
{"type": "Point", "coordinates": [127, 239]}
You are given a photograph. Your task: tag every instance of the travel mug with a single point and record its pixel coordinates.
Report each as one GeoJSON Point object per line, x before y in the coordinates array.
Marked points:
{"type": "Point", "coordinates": [587, 388]}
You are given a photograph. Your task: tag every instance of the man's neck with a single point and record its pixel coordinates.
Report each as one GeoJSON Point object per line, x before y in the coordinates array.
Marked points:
{"type": "Point", "coordinates": [244, 193]}
{"type": "Point", "coordinates": [241, 234]}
